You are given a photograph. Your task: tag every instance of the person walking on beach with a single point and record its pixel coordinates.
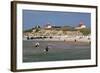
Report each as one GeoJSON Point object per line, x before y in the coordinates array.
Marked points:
{"type": "Point", "coordinates": [75, 40]}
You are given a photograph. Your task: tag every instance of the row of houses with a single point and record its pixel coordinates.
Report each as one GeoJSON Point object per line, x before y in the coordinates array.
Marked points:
{"type": "Point", "coordinates": [81, 25]}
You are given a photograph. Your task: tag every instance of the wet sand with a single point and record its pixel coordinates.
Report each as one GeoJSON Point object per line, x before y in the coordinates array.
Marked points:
{"type": "Point", "coordinates": [58, 50]}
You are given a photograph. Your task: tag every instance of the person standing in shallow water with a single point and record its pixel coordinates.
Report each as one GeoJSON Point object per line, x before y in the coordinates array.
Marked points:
{"type": "Point", "coordinates": [37, 44]}
{"type": "Point", "coordinates": [46, 50]}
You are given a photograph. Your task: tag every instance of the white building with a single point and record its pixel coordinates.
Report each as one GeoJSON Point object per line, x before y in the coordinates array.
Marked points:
{"type": "Point", "coordinates": [80, 26]}
{"type": "Point", "coordinates": [48, 25]}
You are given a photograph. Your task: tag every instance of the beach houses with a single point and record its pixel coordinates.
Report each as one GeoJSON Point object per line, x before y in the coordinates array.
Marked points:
{"type": "Point", "coordinates": [81, 26]}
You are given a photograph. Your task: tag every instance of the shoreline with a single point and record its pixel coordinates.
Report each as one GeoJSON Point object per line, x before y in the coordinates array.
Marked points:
{"type": "Point", "coordinates": [66, 41]}
{"type": "Point", "coordinates": [81, 39]}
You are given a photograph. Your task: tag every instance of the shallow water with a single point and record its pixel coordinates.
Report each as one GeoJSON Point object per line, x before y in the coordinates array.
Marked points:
{"type": "Point", "coordinates": [58, 50]}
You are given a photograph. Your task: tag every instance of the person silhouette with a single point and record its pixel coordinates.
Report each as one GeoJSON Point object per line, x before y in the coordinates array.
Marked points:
{"type": "Point", "coordinates": [46, 50]}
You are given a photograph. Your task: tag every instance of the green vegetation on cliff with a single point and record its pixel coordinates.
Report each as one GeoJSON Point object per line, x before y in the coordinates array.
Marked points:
{"type": "Point", "coordinates": [85, 31]}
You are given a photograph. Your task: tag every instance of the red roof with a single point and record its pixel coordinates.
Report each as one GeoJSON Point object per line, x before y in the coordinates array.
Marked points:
{"type": "Point", "coordinates": [80, 24]}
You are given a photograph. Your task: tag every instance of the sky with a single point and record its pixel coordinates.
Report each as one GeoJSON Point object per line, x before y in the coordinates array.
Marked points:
{"type": "Point", "coordinates": [31, 18]}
